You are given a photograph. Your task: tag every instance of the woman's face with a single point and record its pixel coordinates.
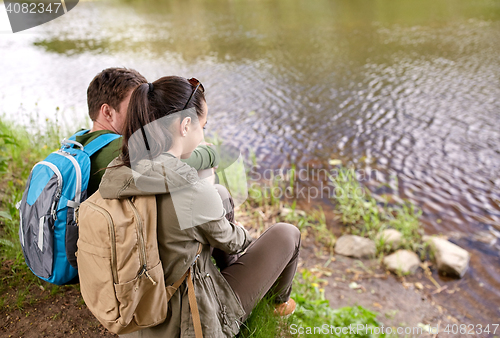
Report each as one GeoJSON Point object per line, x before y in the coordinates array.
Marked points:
{"type": "Point", "coordinates": [194, 134]}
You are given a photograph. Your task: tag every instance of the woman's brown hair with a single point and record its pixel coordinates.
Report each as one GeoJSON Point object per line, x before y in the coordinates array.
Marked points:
{"type": "Point", "coordinates": [169, 94]}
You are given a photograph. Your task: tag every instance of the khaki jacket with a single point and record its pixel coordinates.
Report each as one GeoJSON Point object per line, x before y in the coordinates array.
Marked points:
{"type": "Point", "coordinates": [190, 211]}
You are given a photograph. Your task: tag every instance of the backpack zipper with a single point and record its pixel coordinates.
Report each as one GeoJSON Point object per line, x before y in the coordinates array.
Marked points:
{"type": "Point", "coordinates": [106, 214]}
{"type": "Point", "coordinates": [21, 230]}
{"type": "Point", "coordinates": [142, 244]}
{"type": "Point", "coordinates": [53, 209]}
{"type": "Point", "coordinates": [78, 172]}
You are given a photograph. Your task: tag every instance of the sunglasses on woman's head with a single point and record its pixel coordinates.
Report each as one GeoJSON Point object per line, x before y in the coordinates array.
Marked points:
{"type": "Point", "coordinates": [194, 83]}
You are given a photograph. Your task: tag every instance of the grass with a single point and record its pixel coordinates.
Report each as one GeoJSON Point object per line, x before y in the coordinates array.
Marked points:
{"type": "Point", "coordinates": [262, 323]}
{"type": "Point", "coordinates": [19, 151]}
{"type": "Point", "coordinates": [314, 310]}
{"type": "Point", "coordinates": [365, 216]}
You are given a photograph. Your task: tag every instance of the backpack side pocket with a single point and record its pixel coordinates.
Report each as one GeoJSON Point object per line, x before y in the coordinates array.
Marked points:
{"type": "Point", "coordinates": [36, 229]}
{"type": "Point", "coordinates": [96, 281]}
{"type": "Point", "coordinates": [71, 238]}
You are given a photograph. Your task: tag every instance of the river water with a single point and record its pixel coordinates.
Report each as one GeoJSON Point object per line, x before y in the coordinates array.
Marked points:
{"type": "Point", "coordinates": [408, 89]}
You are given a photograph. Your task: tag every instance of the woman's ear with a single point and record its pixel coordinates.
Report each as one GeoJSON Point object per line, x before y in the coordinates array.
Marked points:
{"type": "Point", "coordinates": [185, 125]}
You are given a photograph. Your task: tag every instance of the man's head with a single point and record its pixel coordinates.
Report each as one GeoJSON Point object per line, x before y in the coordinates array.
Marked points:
{"type": "Point", "coordinates": [108, 96]}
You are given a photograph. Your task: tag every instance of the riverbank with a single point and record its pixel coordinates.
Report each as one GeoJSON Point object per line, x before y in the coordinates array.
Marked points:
{"type": "Point", "coordinates": [406, 302]}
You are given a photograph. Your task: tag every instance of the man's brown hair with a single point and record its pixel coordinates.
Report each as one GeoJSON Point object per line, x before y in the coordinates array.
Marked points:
{"type": "Point", "coordinates": [111, 86]}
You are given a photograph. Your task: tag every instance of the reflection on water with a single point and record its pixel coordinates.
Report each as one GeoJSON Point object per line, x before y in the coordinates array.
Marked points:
{"type": "Point", "coordinates": [405, 88]}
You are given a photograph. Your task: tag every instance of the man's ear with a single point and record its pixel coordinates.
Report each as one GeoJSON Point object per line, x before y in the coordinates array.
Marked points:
{"type": "Point", "coordinates": [105, 111]}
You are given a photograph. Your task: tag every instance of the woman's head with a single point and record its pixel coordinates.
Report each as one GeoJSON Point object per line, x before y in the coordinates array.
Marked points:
{"type": "Point", "coordinates": [172, 112]}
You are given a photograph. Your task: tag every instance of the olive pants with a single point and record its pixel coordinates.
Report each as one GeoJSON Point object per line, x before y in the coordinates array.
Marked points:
{"type": "Point", "coordinates": [268, 265]}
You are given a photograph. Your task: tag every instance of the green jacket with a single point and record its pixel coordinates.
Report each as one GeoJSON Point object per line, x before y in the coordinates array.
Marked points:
{"type": "Point", "coordinates": [203, 157]}
{"type": "Point", "coordinates": [190, 211]}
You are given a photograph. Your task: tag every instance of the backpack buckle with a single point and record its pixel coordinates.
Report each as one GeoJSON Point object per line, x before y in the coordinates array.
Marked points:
{"type": "Point", "coordinates": [198, 253]}
{"type": "Point", "coordinates": [195, 259]}
{"type": "Point", "coordinates": [67, 144]}
{"type": "Point", "coordinates": [76, 215]}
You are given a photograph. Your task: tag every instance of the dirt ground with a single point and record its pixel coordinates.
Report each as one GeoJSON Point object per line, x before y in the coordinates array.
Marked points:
{"type": "Point", "coordinates": [44, 311]}
{"type": "Point", "coordinates": [61, 312]}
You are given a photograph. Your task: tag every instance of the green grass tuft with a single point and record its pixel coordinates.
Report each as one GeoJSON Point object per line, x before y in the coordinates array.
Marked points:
{"type": "Point", "coordinates": [314, 311]}
{"type": "Point", "coordinates": [365, 216]}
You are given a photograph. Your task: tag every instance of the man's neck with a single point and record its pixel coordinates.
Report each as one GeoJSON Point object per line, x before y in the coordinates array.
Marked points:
{"type": "Point", "coordinates": [96, 126]}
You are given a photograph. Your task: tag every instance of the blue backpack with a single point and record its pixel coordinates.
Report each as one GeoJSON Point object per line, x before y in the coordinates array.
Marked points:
{"type": "Point", "coordinates": [55, 188]}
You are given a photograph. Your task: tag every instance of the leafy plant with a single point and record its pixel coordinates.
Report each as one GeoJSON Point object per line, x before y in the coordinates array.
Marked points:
{"type": "Point", "coordinates": [365, 216]}
{"type": "Point", "coordinates": [313, 310]}
{"type": "Point", "coordinates": [5, 140]}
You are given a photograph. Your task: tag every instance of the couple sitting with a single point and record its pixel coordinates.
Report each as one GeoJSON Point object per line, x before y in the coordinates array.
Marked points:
{"type": "Point", "coordinates": [172, 111]}
{"type": "Point", "coordinates": [108, 97]}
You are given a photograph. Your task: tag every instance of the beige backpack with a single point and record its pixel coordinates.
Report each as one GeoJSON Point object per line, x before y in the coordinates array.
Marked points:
{"type": "Point", "coordinates": [121, 275]}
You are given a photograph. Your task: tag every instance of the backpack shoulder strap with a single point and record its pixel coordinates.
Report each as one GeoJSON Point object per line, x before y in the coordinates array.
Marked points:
{"type": "Point", "coordinates": [191, 295]}
{"type": "Point", "coordinates": [99, 143]}
{"type": "Point", "coordinates": [172, 288]}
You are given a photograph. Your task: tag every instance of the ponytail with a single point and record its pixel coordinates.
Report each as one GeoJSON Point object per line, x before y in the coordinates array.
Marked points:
{"type": "Point", "coordinates": [155, 102]}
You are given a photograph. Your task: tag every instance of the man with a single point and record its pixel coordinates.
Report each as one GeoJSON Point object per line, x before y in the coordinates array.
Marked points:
{"type": "Point", "coordinates": [108, 96]}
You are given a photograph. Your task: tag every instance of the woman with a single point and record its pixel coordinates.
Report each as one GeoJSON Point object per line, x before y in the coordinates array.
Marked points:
{"type": "Point", "coordinates": [165, 123]}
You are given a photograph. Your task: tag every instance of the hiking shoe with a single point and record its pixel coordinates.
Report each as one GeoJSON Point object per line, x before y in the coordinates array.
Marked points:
{"type": "Point", "coordinates": [285, 309]}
